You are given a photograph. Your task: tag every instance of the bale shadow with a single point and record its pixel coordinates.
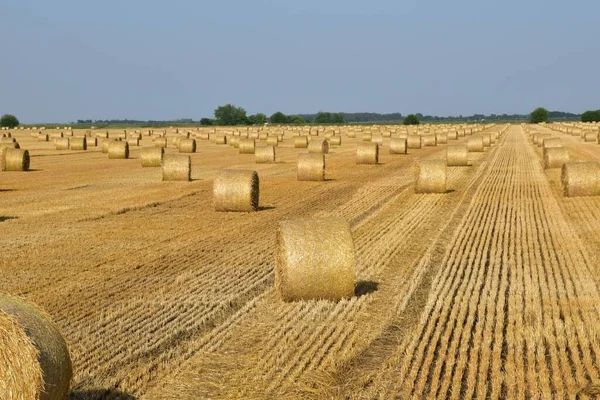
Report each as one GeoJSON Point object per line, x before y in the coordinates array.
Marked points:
{"type": "Point", "coordinates": [330, 180]}
{"type": "Point", "coordinates": [2, 219]}
{"type": "Point", "coordinates": [99, 394]}
{"type": "Point", "coordinates": [450, 191]}
{"type": "Point", "coordinates": [266, 208]}
{"type": "Point", "coordinates": [365, 287]}
{"type": "Point", "coordinates": [8, 190]}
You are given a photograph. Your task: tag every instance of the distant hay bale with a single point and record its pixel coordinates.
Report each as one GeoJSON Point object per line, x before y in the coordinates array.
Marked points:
{"type": "Point", "coordinates": [6, 140]}
{"type": "Point", "coordinates": [34, 358]}
{"type": "Point", "coordinates": [377, 139]}
{"type": "Point", "coordinates": [367, 136]}
{"type": "Point", "coordinates": [272, 141]}
{"type": "Point", "coordinates": [429, 140]}
{"type": "Point", "coordinates": [552, 142]}
{"type": "Point", "coordinates": [152, 156]}
{"type": "Point", "coordinates": [301, 142]}
{"type": "Point", "coordinates": [318, 146]}
{"type": "Point", "coordinates": [187, 145]}
{"type": "Point", "coordinates": [160, 142]}
{"type": "Point", "coordinates": [581, 179]}
{"type": "Point", "coordinates": [263, 136]}
{"type": "Point", "coordinates": [133, 142]}
{"type": "Point", "coordinates": [555, 157]}
{"type": "Point", "coordinates": [78, 143]}
{"type": "Point", "coordinates": [118, 150]}
{"type": "Point", "coordinates": [475, 144]}
{"type": "Point", "coordinates": [386, 134]}
{"type": "Point", "coordinates": [457, 156]}
{"type": "Point", "coordinates": [335, 141]}
{"type": "Point", "coordinates": [441, 138]}
{"type": "Point", "coordinates": [236, 190]}
{"type": "Point", "coordinates": [413, 141]}
{"type": "Point", "coordinates": [430, 176]}
{"type": "Point", "coordinates": [247, 146]}
{"type": "Point", "coordinates": [591, 136]}
{"type": "Point", "coordinates": [221, 139]}
{"type": "Point", "coordinates": [106, 143]}
{"type": "Point", "coordinates": [452, 135]}
{"type": "Point", "coordinates": [487, 141]}
{"type": "Point", "coordinates": [315, 260]}
{"type": "Point", "coordinates": [102, 135]}
{"type": "Point", "coordinates": [254, 135]}
{"type": "Point", "coordinates": [402, 135]}
{"type": "Point", "coordinates": [42, 137]}
{"type": "Point", "coordinates": [174, 141]}
{"type": "Point", "coordinates": [311, 167]}
{"type": "Point", "coordinates": [62, 143]}
{"type": "Point", "coordinates": [351, 134]}
{"type": "Point", "coordinates": [328, 135]}
{"type": "Point", "coordinates": [542, 137]}
{"type": "Point", "coordinates": [234, 141]}
{"type": "Point", "coordinates": [397, 146]}
{"type": "Point", "coordinates": [176, 167]}
{"type": "Point", "coordinates": [367, 153]}
{"type": "Point", "coordinates": [264, 155]}
{"type": "Point", "coordinates": [14, 159]}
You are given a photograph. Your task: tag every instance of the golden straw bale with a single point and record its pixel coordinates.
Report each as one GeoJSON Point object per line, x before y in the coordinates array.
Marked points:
{"type": "Point", "coordinates": [386, 134]}
{"type": "Point", "coordinates": [176, 167]}
{"type": "Point", "coordinates": [264, 155]}
{"type": "Point", "coordinates": [318, 146]}
{"type": "Point", "coordinates": [367, 136]}
{"type": "Point", "coordinates": [441, 138]}
{"type": "Point", "coordinates": [14, 159]}
{"type": "Point", "coordinates": [351, 134]}
{"type": "Point", "coordinates": [301, 142]}
{"type": "Point", "coordinates": [42, 137]}
{"type": "Point", "coordinates": [457, 156]}
{"type": "Point", "coordinates": [234, 141]}
{"type": "Point", "coordinates": [152, 156]}
{"type": "Point", "coordinates": [429, 140]}
{"type": "Point", "coordinates": [378, 139]}
{"type": "Point", "coordinates": [591, 136]}
{"type": "Point", "coordinates": [62, 143]}
{"type": "Point", "coordinates": [236, 190]}
{"type": "Point", "coordinates": [311, 167]}
{"type": "Point", "coordinates": [272, 141]}
{"type": "Point", "coordinates": [555, 157]}
{"type": "Point", "coordinates": [118, 150]}
{"type": "Point", "coordinates": [221, 139]}
{"type": "Point", "coordinates": [367, 153]}
{"type": "Point", "coordinates": [487, 141]}
{"type": "Point", "coordinates": [247, 146]}
{"type": "Point", "coordinates": [581, 179]}
{"type": "Point", "coordinates": [315, 260]}
{"type": "Point", "coordinates": [543, 137]}
{"type": "Point", "coordinates": [187, 145]}
{"type": "Point", "coordinates": [79, 143]}
{"type": "Point", "coordinates": [160, 142]}
{"type": "Point", "coordinates": [430, 176]}
{"type": "Point", "coordinates": [263, 136]}
{"type": "Point", "coordinates": [335, 141]}
{"type": "Point", "coordinates": [398, 146]}
{"type": "Point", "coordinates": [475, 144]}
{"type": "Point", "coordinates": [413, 141]}
{"type": "Point", "coordinates": [254, 135]}
{"type": "Point", "coordinates": [452, 135]}
{"type": "Point", "coordinates": [552, 142]}
{"type": "Point", "coordinates": [133, 142]}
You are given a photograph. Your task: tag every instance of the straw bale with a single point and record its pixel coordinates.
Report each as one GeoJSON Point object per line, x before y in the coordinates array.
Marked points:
{"type": "Point", "coordinates": [14, 159]}
{"type": "Point", "coordinates": [152, 156]}
{"type": "Point", "coordinates": [247, 146]}
{"type": "Point", "coordinates": [430, 176]}
{"type": "Point", "coordinates": [236, 190]}
{"type": "Point", "coordinates": [264, 155]}
{"type": "Point", "coordinates": [457, 156]}
{"type": "Point", "coordinates": [79, 143]}
{"type": "Point", "coordinates": [413, 142]}
{"type": "Point", "coordinates": [318, 146]}
{"type": "Point", "coordinates": [581, 179]}
{"type": "Point", "coordinates": [176, 167]}
{"type": "Point", "coordinates": [397, 146]}
{"type": "Point", "coordinates": [475, 144]}
{"type": "Point", "coordinates": [555, 157]}
{"type": "Point", "coordinates": [367, 153]}
{"type": "Point", "coordinates": [301, 142]}
{"type": "Point", "coordinates": [187, 145]}
{"type": "Point", "coordinates": [311, 167]}
{"type": "Point", "coordinates": [118, 150]}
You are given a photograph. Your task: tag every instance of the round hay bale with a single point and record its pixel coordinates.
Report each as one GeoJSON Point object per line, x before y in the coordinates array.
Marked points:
{"type": "Point", "coordinates": [234, 141]}
{"type": "Point", "coordinates": [221, 139]}
{"type": "Point", "coordinates": [367, 153]}
{"type": "Point", "coordinates": [555, 157]}
{"type": "Point", "coordinates": [318, 146]}
{"type": "Point", "coordinates": [457, 156]}
{"type": "Point", "coordinates": [386, 134]}
{"type": "Point", "coordinates": [133, 142]}
{"type": "Point", "coordinates": [301, 142]}
{"type": "Point", "coordinates": [176, 167]}
{"type": "Point", "coordinates": [15, 160]}
{"type": "Point", "coordinates": [160, 142]}
{"type": "Point", "coordinates": [78, 143]}
{"type": "Point", "coordinates": [152, 156]}
{"type": "Point", "coordinates": [452, 135]}
{"type": "Point", "coordinates": [254, 135]}
{"type": "Point", "coordinates": [402, 135]}
{"type": "Point", "coordinates": [429, 140]}
{"type": "Point", "coordinates": [42, 137]}
{"type": "Point", "coordinates": [335, 141]}
{"type": "Point", "coordinates": [441, 138]}
{"type": "Point", "coordinates": [397, 146]}
{"type": "Point", "coordinates": [377, 139]}
{"type": "Point", "coordinates": [315, 260]}
{"type": "Point", "coordinates": [263, 136]}
{"type": "Point", "coordinates": [102, 135]}
{"type": "Point", "coordinates": [581, 179]}
{"type": "Point", "coordinates": [272, 141]}
{"type": "Point", "coordinates": [543, 137]}
{"type": "Point", "coordinates": [265, 155]}
{"type": "Point", "coordinates": [552, 142]}
{"type": "Point", "coordinates": [328, 135]}
{"type": "Point", "coordinates": [118, 150]}
{"type": "Point", "coordinates": [475, 144]}
{"type": "Point", "coordinates": [351, 134]}
{"type": "Point", "coordinates": [413, 141]}
{"type": "Point", "coordinates": [92, 141]}
{"type": "Point", "coordinates": [187, 145]}
{"type": "Point", "coordinates": [34, 358]}
{"type": "Point", "coordinates": [62, 143]}
{"type": "Point", "coordinates": [430, 176]}
{"type": "Point", "coordinates": [236, 190]}
{"type": "Point", "coordinates": [247, 146]}
{"type": "Point", "coordinates": [367, 136]}
{"type": "Point", "coordinates": [591, 136]}
{"type": "Point", "coordinates": [11, 145]}
{"type": "Point", "coordinates": [311, 167]}
{"type": "Point", "coordinates": [487, 140]}
{"type": "Point", "coordinates": [105, 144]}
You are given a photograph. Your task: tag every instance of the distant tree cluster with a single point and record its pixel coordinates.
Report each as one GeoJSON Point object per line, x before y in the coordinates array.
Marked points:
{"type": "Point", "coordinates": [538, 115]}
{"type": "Point", "coordinates": [591, 116]}
{"type": "Point", "coordinates": [9, 120]}
{"type": "Point", "coordinates": [411, 119]}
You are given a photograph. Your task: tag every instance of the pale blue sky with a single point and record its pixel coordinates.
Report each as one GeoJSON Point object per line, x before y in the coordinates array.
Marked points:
{"type": "Point", "coordinates": [144, 59]}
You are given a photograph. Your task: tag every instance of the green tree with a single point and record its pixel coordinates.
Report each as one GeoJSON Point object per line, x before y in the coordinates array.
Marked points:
{"type": "Point", "coordinates": [538, 115]}
{"type": "Point", "coordinates": [9, 120]}
{"type": "Point", "coordinates": [279, 118]}
{"type": "Point", "coordinates": [323, 117]}
{"type": "Point", "coordinates": [411, 119]}
{"type": "Point", "coordinates": [230, 115]}
{"type": "Point", "coordinates": [298, 120]}
{"type": "Point", "coordinates": [206, 121]}
{"type": "Point", "coordinates": [337, 118]}
{"type": "Point", "coordinates": [257, 119]}
{"type": "Point", "coordinates": [591, 116]}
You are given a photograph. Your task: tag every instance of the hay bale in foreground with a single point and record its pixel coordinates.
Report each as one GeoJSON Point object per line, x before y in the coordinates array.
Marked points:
{"type": "Point", "coordinates": [118, 150]}
{"type": "Point", "coordinates": [247, 146]}
{"type": "Point", "coordinates": [272, 141]}
{"type": "Point", "coordinates": [452, 135]}
{"type": "Point", "coordinates": [79, 143]}
{"type": "Point", "coordinates": [176, 167]}
{"type": "Point", "coordinates": [475, 144]}
{"type": "Point", "coordinates": [264, 155]}
{"type": "Point", "coordinates": [413, 141]}
{"type": "Point", "coordinates": [335, 140]}
{"type": "Point", "coordinates": [318, 146]}
{"type": "Point", "coordinates": [367, 153]}
{"type": "Point", "coordinates": [234, 141]}
{"type": "Point", "coordinates": [397, 146]}
{"type": "Point", "coordinates": [62, 143]}
{"type": "Point", "coordinates": [457, 156]}
{"type": "Point", "coordinates": [430, 176]}
{"type": "Point", "coordinates": [236, 190]}
{"type": "Point", "coordinates": [441, 138]}
{"type": "Point", "coordinates": [591, 137]}
{"type": "Point", "coordinates": [187, 145]}
{"type": "Point", "coordinates": [15, 160]}
{"type": "Point", "coordinates": [152, 156]}
{"type": "Point", "coordinates": [301, 142]}
{"type": "Point", "coordinates": [428, 140]}
{"type": "Point", "coordinates": [367, 136]}
{"type": "Point", "coordinates": [315, 260]}
{"type": "Point", "coordinates": [551, 143]}
{"type": "Point", "coordinates": [555, 157]}
{"type": "Point", "coordinates": [34, 358]}
{"type": "Point", "coordinates": [311, 167]}
{"type": "Point", "coordinates": [581, 179]}
{"type": "Point", "coordinates": [487, 139]}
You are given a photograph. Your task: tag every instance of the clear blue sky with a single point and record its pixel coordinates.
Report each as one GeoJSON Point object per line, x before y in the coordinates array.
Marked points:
{"type": "Point", "coordinates": [144, 59]}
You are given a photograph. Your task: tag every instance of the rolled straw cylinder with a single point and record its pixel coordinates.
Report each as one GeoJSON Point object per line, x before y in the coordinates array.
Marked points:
{"type": "Point", "coordinates": [555, 157]}
{"type": "Point", "coordinates": [272, 141]}
{"type": "Point", "coordinates": [187, 145]}
{"type": "Point", "coordinates": [542, 137]}
{"type": "Point", "coordinates": [42, 137]}
{"type": "Point", "coordinates": [62, 143]}
{"type": "Point", "coordinates": [581, 179]}
{"type": "Point", "coordinates": [487, 141]}
{"type": "Point", "coordinates": [367, 136]}
{"type": "Point", "coordinates": [263, 136]}
{"type": "Point", "coordinates": [457, 156]}
{"type": "Point", "coordinates": [264, 155]}
{"type": "Point", "coordinates": [335, 141]}
{"type": "Point", "coordinates": [429, 140]}
{"type": "Point", "coordinates": [397, 146]}
{"type": "Point", "coordinates": [152, 156]}
{"type": "Point", "coordinates": [402, 135]}
{"type": "Point", "coordinates": [176, 167]}
{"type": "Point", "coordinates": [475, 144]}
{"type": "Point", "coordinates": [452, 135]}
{"type": "Point", "coordinates": [377, 139]}
{"type": "Point", "coordinates": [430, 176]}
{"type": "Point", "coordinates": [315, 260]}
{"type": "Point", "coordinates": [591, 136]}
{"type": "Point", "coordinates": [318, 146]}
{"type": "Point", "coordinates": [160, 142]}
{"type": "Point", "coordinates": [247, 146]}
{"type": "Point", "coordinates": [441, 138]}
{"type": "Point", "coordinates": [34, 358]}
{"type": "Point", "coordinates": [221, 139]}
{"type": "Point", "coordinates": [14, 159]}
{"type": "Point", "coordinates": [236, 190]}
{"type": "Point", "coordinates": [367, 153]}
{"type": "Point", "coordinates": [386, 134]}
{"type": "Point", "coordinates": [552, 142]}
{"type": "Point", "coordinates": [301, 142]}
{"type": "Point", "coordinates": [106, 143]}
{"type": "Point", "coordinates": [118, 150]}
{"type": "Point", "coordinates": [351, 134]}
{"type": "Point", "coordinates": [311, 167]}
{"type": "Point", "coordinates": [413, 141]}
{"type": "Point", "coordinates": [234, 141]}
{"type": "Point", "coordinates": [79, 143]}
{"type": "Point", "coordinates": [133, 142]}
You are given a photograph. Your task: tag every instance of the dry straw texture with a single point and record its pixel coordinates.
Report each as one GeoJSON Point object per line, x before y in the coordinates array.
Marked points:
{"type": "Point", "coordinates": [367, 136]}
{"type": "Point", "coordinates": [118, 150]}
{"type": "Point", "coordinates": [555, 157]}
{"type": "Point", "coordinates": [581, 179]}
{"type": "Point", "coordinates": [315, 260]}
{"type": "Point", "coordinates": [487, 140]}
{"type": "Point", "coordinates": [160, 142]}
{"type": "Point", "coordinates": [34, 358]}
{"type": "Point", "coordinates": [301, 142]}
{"type": "Point", "coordinates": [221, 139]}
{"type": "Point", "coordinates": [429, 140]}
{"type": "Point", "coordinates": [430, 176]}
{"type": "Point", "coordinates": [318, 146]}
{"type": "Point", "coordinates": [311, 167]}
{"type": "Point", "coordinates": [272, 141]}
{"type": "Point", "coordinates": [15, 160]}
{"type": "Point", "coordinates": [452, 135]}
{"type": "Point", "coordinates": [397, 146]}
{"type": "Point", "coordinates": [335, 141]}
{"type": "Point", "coordinates": [457, 156]}
{"type": "Point", "coordinates": [351, 134]}
{"type": "Point", "coordinates": [234, 141]}
{"type": "Point", "coordinates": [106, 143]}
{"type": "Point", "coordinates": [56, 135]}
{"type": "Point", "coordinates": [152, 156]}
{"type": "Point", "coordinates": [79, 143]}
{"type": "Point", "coordinates": [176, 167]}
{"type": "Point", "coordinates": [378, 139]}
{"type": "Point", "coordinates": [413, 141]}
{"type": "Point", "coordinates": [263, 136]}
{"type": "Point", "coordinates": [42, 137]}
{"type": "Point", "coordinates": [247, 146]}
{"type": "Point", "coordinates": [62, 143]}
{"type": "Point", "coordinates": [543, 137]}
{"type": "Point", "coordinates": [441, 138]}
{"type": "Point", "coordinates": [236, 190]}
{"type": "Point", "coordinates": [133, 142]}
{"type": "Point", "coordinates": [367, 153]}
{"type": "Point", "coordinates": [402, 135]}
{"type": "Point", "coordinates": [591, 136]}
{"type": "Point", "coordinates": [475, 144]}
{"type": "Point", "coordinates": [552, 142]}
{"type": "Point", "coordinates": [265, 155]}
{"type": "Point", "coordinates": [187, 145]}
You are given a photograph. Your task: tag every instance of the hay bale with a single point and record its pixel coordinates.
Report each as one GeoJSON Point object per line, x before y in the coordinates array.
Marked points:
{"type": "Point", "coordinates": [457, 156]}
{"type": "Point", "coordinates": [160, 142]}
{"type": "Point", "coordinates": [311, 167]}
{"type": "Point", "coordinates": [413, 141]}
{"type": "Point", "coordinates": [335, 141]}
{"type": "Point", "coordinates": [315, 260]}
{"type": "Point", "coordinates": [264, 155]}
{"type": "Point", "coordinates": [351, 134]}
{"type": "Point", "coordinates": [263, 136]}
{"type": "Point", "coordinates": [152, 156]}
{"type": "Point", "coordinates": [581, 179]}
{"type": "Point", "coordinates": [386, 134]}
{"type": "Point", "coordinates": [430, 176]}
{"type": "Point", "coordinates": [397, 146]}
{"type": "Point", "coordinates": [247, 146]}
{"type": "Point", "coordinates": [236, 190]}
{"type": "Point", "coordinates": [34, 358]}
{"type": "Point", "coordinates": [14, 159]}
{"type": "Point", "coordinates": [591, 137]}
{"type": "Point", "coordinates": [367, 153]}
{"type": "Point", "coordinates": [452, 135]}
{"type": "Point", "coordinates": [378, 139]}
{"type": "Point", "coordinates": [301, 142]}
{"type": "Point", "coordinates": [42, 137]}
{"type": "Point", "coordinates": [118, 150]}
{"type": "Point", "coordinates": [318, 146]}
{"type": "Point", "coordinates": [133, 142]}
{"type": "Point", "coordinates": [551, 143]}
{"type": "Point", "coordinates": [187, 145]}
{"type": "Point", "coordinates": [475, 144]}
{"type": "Point", "coordinates": [62, 143]}
{"type": "Point", "coordinates": [176, 167]}
{"type": "Point", "coordinates": [543, 137]}
{"type": "Point", "coordinates": [441, 138]}
{"type": "Point", "coordinates": [367, 136]}
{"type": "Point", "coordinates": [555, 157]}
{"type": "Point", "coordinates": [402, 135]}
{"type": "Point", "coordinates": [487, 140]}
{"type": "Point", "coordinates": [429, 140]}
{"type": "Point", "coordinates": [221, 139]}
{"type": "Point", "coordinates": [105, 144]}
{"type": "Point", "coordinates": [78, 143]}
{"type": "Point", "coordinates": [234, 141]}
{"type": "Point", "coordinates": [272, 141]}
